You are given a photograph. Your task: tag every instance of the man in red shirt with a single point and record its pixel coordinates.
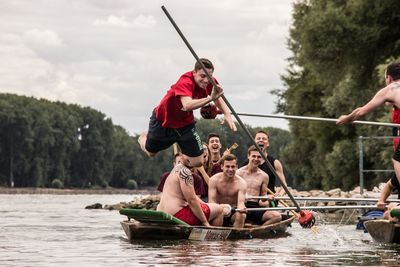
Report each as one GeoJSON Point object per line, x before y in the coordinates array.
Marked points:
{"type": "Point", "coordinates": [173, 121]}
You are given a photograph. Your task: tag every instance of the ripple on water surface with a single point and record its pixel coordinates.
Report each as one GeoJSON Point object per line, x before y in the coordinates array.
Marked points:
{"type": "Point", "coordinates": [49, 230]}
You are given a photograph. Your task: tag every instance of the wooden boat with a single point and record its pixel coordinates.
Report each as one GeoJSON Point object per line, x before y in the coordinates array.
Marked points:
{"type": "Point", "coordinates": [383, 231]}
{"type": "Point", "coordinates": [150, 224]}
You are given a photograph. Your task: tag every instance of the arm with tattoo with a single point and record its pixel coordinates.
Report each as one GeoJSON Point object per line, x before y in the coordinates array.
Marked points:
{"type": "Point", "coordinates": [185, 174]}
{"type": "Point", "coordinates": [186, 183]}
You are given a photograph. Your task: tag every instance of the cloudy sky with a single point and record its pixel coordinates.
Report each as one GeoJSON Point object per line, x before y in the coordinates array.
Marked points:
{"type": "Point", "coordinates": [121, 56]}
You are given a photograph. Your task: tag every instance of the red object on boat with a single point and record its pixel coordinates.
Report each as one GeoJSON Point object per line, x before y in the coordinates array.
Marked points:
{"type": "Point", "coordinates": [209, 112]}
{"type": "Point", "coordinates": [307, 219]}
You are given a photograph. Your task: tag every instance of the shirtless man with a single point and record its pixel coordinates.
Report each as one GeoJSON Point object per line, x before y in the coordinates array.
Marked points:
{"type": "Point", "coordinates": [179, 199]}
{"type": "Point", "coordinates": [198, 182]}
{"type": "Point", "coordinates": [257, 181]}
{"type": "Point", "coordinates": [228, 188]}
{"type": "Point", "coordinates": [389, 94]}
{"type": "Point", "coordinates": [262, 140]}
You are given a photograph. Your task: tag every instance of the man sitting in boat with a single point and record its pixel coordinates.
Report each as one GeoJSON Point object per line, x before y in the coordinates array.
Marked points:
{"type": "Point", "coordinates": [198, 182]}
{"type": "Point", "coordinates": [257, 185]}
{"type": "Point", "coordinates": [262, 140]}
{"type": "Point", "coordinates": [390, 185]}
{"type": "Point", "coordinates": [227, 187]}
{"type": "Point", "coordinates": [179, 199]}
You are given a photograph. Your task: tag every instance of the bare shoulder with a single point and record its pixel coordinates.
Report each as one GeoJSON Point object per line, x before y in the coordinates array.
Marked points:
{"type": "Point", "coordinates": [394, 85]}
{"type": "Point", "coordinates": [215, 178]}
{"type": "Point", "coordinates": [241, 171]}
{"type": "Point", "coordinates": [240, 180]}
{"type": "Point", "coordinates": [262, 173]}
{"type": "Point", "coordinates": [184, 174]}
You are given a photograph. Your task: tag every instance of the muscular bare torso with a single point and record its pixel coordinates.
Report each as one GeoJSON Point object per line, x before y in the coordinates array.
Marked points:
{"type": "Point", "coordinates": [172, 199]}
{"type": "Point", "coordinates": [227, 190]}
{"type": "Point", "coordinates": [257, 180]}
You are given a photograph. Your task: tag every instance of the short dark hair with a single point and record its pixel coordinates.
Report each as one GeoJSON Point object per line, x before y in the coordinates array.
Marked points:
{"type": "Point", "coordinates": [262, 131]}
{"type": "Point", "coordinates": [393, 70]}
{"type": "Point", "coordinates": [211, 135]}
{"type": "Point", "coordinates": [251, 149]}
{"type": "Point", "coordinates": [228, 157]}
{"type": "Point", "coordinates": [206, 62]}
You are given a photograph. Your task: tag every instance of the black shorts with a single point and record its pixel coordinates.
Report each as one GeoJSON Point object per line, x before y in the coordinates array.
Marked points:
{"type": "Point", "coordinates": [160, 138]}
{"type": "Point", "coordinates": [395, 182]}
{"type": "Point", "coordinates": [396, 155]}
{"type": "Point", "coordinates": [228, 219]}
{"type": "Point", "coordinates": [254, 216]}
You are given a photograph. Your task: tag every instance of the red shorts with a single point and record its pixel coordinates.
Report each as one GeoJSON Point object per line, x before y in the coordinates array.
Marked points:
{"type": "Point", "coordinates": [187, 215]}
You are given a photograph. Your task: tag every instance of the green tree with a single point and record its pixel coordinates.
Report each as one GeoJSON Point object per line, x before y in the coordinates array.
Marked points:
{"type": "Point", "coordinates": [338, 50]}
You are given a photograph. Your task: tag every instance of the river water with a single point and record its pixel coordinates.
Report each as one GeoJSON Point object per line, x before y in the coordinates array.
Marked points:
{"type": "Point", "coordinates": [56, 230]}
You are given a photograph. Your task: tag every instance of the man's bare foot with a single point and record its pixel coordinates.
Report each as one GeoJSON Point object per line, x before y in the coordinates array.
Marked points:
{"type": "Point", "coordinates": [142, 142]}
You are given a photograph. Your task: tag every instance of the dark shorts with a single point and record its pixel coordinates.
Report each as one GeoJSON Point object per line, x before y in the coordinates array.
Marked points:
{"type": "Point", "coordinates": [160, 138]}
{"type": "Point", "coordinates": [395, 182]}
{"type": "Point", "coordinates": [396, 155]}
{"type": "Point", "coordinates": [254, 216]}
{"type": "Point", "coordinates": [228, 219]}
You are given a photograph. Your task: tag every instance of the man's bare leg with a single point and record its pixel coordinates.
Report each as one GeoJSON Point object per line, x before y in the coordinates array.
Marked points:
{"type": "Point", "coordinates": [191, 162]}
{"type": "Point", "coordinates": [239, 219]}
{"type": "Point", "coordinates": [142, 142]}
{"type": "Point", "coordinates": [216, 214]}
{"type": "Point", "coordinates": [271, 217]}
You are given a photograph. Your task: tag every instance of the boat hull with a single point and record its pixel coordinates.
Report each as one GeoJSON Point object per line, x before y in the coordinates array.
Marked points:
{"type": "Point", "coordinates": [138, 230]}
{"type": "Point", "coordinates": [383, 231]}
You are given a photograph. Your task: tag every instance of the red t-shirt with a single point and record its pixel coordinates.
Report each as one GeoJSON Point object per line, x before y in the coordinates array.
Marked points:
{"type": "Point", "coordinates": [170, 112]}
{"type": "Point", "coordinates": [396, 119]}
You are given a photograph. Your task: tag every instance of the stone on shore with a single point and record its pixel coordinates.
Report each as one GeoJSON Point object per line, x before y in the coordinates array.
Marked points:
{"type": "Point", "coordinates": [94, 206]}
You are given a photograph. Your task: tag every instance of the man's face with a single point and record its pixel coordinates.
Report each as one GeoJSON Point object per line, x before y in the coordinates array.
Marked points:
{"type": "Point", "coordinates": [200, 78]}
{"type": "Point", "coordinates": [262, 140]}
{"type": "Point", "coordinates": [214, 144]}
{"type": "Point", "coordinates": [254, 158]}
{"type": "Point", "coordinates": [229, 168]}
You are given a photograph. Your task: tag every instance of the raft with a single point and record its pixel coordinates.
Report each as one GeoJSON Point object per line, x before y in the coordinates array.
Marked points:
{"type": "Point", "coordinates": [383, 231]}
{"type": "Point", "coordinates": [158, 225]}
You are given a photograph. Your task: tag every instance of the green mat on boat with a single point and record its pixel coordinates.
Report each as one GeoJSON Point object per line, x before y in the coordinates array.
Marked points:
{"type": "Point", "coordinates": [151, 216]}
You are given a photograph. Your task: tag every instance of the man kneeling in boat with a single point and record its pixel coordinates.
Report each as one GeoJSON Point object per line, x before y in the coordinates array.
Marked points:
{"type": "Point", "coordinates": [257, 185]}
{"type": "Point", "coordinates": [227, 187]}
{"type": "Point", "coordinates": [179, 199]}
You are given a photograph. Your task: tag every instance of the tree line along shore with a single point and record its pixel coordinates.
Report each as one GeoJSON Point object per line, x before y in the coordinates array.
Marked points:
{"type": "Point", "coordinates": [58, 145]}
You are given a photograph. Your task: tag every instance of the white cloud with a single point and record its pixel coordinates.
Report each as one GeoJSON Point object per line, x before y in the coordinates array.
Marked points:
{"type": "Point", "coordinates": [42, 37]}
{"type": "Point", "coordinates": [140, 21]}
{"type": "Point", "coordinates": [125, 64]}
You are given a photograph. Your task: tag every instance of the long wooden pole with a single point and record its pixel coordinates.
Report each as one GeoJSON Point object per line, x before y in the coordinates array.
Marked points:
{"type": "Point", "coordinates": [297, 215]}
{"type": "Point", "coordinates": [326, 199]}
{"type": "Point", "coordinates": [316, 119]}
{"type": "Point", "coordinates": [310, 208]}
{"type": "Point", "coordinates": [211, 80]}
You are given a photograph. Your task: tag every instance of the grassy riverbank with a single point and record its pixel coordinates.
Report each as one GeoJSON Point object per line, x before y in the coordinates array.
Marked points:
{"type": "Point", "coordinates": [75, 191]}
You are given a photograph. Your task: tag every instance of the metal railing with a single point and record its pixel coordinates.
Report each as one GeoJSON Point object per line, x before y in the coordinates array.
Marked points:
{"type": "Point", "coordinates": [361, 159]}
